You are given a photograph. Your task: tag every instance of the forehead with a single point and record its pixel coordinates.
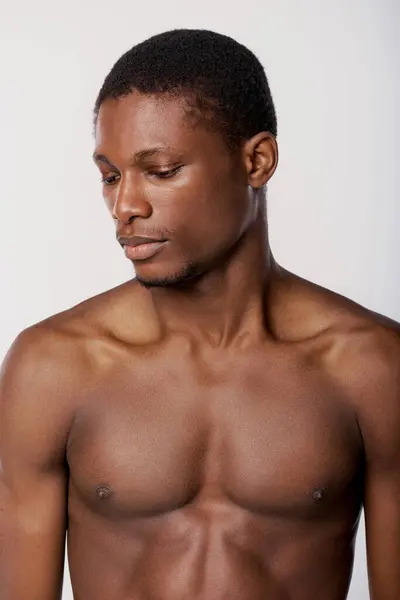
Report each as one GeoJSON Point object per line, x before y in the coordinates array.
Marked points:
{"type": "Point", "coordinates": [137, 121]}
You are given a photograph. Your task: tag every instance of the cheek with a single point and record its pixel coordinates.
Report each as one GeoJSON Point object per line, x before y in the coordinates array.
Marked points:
{"type": "Point", "coordinates": [214, 214]}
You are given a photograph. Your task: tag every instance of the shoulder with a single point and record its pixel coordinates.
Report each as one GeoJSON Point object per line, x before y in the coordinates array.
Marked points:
{"type": "Point", "coordinates": [304, 310]}
{"type": "Point", "coordinates": [346, 332]}
{"type": "Point", "coordinates": [75, 343]}
{"type": "Point", "coordinates": [37, 388]}
{"type": "Point", "coordinates": [49, 371]}
{"type": "Point", "coordinates": [365, 361]}
{"type": "Point", "coordinates": [123, 313]}
{"type": "Point", "coordinates": [38, 385]}
{"type": "Point", "coordinates": [50, 351]}
{"type": "Point", "coordinates": [357, 348]}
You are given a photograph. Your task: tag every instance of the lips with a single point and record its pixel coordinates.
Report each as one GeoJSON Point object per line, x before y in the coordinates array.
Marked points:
{"type": "Point", "coordinates": [141, 251]}
{"type": "Point", "coordinates": [137, 240]}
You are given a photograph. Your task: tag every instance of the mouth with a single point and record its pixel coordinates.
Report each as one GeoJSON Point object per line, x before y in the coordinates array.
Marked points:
{"type": "Point", "coordinates": [143, 251]}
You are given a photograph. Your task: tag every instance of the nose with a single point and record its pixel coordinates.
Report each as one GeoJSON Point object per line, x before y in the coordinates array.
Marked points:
{"type": "Point", "coordinates": [130, 202]}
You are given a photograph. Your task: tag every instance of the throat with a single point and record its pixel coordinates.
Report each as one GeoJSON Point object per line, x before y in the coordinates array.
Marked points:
{"type": "Point", "coordinates": [217, 316]}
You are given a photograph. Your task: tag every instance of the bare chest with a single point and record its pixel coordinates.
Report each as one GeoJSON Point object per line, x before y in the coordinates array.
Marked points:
{"type": "Point", "coordinates": [270, 441]}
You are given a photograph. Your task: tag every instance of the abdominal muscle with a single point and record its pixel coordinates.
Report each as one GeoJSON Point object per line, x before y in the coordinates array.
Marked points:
{"type": "Point", "coordinates": [197, 554]}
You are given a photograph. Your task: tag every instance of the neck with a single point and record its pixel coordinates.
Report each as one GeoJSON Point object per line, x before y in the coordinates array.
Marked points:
{"type": "Point", "coordinates": [226, 306]}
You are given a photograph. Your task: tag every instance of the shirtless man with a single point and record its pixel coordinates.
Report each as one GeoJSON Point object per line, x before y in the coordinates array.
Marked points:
{"type": "Point", "coordinates": [211, 429]}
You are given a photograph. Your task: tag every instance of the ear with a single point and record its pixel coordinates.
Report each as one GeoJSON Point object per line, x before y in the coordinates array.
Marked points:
{"type": "Point", "coordinates": [261, 158]}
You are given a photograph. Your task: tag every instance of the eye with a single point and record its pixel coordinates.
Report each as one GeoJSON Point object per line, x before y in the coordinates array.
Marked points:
{"type": "Point", "coordinates": [110, 180]}
{"type": "Point", "coordinates": [165, 174]}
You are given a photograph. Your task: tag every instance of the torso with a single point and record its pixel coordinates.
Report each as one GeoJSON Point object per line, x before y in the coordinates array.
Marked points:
{"type": "Point", "coordinates": [237, 478]}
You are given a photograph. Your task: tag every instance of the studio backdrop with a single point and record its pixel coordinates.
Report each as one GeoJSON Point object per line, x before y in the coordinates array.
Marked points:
{"type": "Point", "coordinates": [333, 204]}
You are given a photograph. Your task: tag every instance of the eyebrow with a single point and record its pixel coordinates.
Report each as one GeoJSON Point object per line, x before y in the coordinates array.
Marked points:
{"type": "Point", "coordinates": [102, 158]}
{"type": "Point", "coordinates": [137, 157]}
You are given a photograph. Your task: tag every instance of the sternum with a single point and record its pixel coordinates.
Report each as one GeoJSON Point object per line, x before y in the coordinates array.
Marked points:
{"type": "Point", "coordinates": [198, 554]}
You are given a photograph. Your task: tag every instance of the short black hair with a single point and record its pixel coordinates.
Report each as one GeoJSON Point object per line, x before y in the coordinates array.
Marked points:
{"type": "Point", "coordinates": [222, 80]}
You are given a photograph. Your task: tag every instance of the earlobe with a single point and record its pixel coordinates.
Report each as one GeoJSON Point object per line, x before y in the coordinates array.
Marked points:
{"type": "Point", "coordinates": [261, 158]}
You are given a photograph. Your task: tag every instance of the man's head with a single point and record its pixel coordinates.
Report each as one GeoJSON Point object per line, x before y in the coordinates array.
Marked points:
{"type": "Point", "coordinates": [205, 99]}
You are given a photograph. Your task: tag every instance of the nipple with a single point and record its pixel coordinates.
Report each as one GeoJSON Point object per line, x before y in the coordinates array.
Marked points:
{"type": "Point", "coordinates": [318, 494]}
{"type": "Point", "coordinates": [103, 491]}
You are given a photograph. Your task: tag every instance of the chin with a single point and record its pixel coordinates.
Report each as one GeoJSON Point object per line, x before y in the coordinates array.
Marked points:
{"type": "Point", "coordinates": [189, 275]}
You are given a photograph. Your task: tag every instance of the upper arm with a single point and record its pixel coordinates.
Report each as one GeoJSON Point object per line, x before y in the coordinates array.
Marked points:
{"type": "Point", "coordinates": [379, 420]}
{"type": "Point", "coordinates": [34, 423]}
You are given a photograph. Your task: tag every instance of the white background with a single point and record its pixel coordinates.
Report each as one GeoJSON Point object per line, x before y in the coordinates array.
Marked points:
{"type": "Point", "coordinates": [334, 208]}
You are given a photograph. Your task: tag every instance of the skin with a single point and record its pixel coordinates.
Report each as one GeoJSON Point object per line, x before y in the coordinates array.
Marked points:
{"type": "Point", "coordinates": [213, 439]}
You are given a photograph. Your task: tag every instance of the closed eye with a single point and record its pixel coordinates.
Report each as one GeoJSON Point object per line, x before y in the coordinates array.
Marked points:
{"type": "Point", "coordinates": [110, 180]}
{"type": "Point", "coordinates": [165, 174]}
